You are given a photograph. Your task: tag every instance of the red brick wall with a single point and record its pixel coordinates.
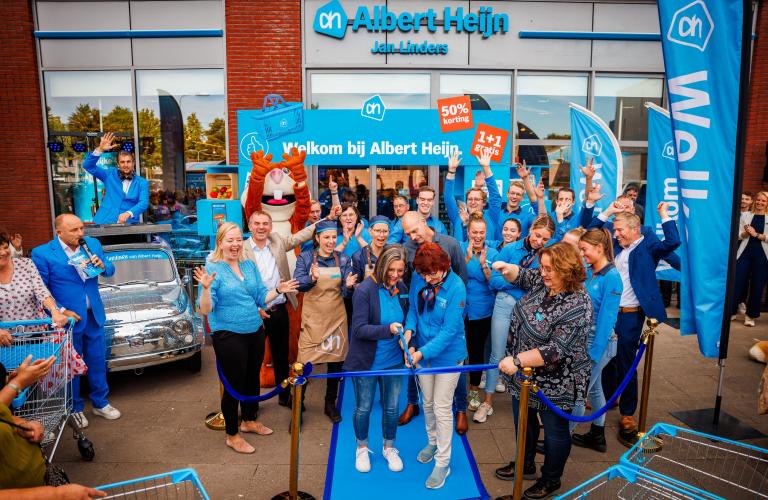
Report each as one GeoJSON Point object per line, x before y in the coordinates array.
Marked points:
{"type": "Point", "coordinates": [263, 56]}
{"type": "Point", "coordinates": [755, 155]}
{"type": "Point", "coordinates": [24, 201]}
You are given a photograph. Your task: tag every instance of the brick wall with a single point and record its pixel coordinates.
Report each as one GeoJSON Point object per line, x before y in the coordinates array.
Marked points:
{"type": "Point", "coordinates": [756, 154]}
{"type": "Point", "coordinates": [24, 202]}
{"type": "Point", "coordinates": [263, 56]}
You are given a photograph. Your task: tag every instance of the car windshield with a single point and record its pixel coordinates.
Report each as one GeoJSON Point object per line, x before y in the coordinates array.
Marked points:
{"type": "Point", "coordinates": [139, 266]}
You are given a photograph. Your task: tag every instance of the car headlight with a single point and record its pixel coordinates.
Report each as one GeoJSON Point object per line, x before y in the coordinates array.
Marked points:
{"type": "Point", "coordinates": [182, 327]}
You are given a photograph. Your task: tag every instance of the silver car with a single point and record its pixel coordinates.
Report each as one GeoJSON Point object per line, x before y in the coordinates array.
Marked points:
{"type": "Point", "coordinates": [150, 319]}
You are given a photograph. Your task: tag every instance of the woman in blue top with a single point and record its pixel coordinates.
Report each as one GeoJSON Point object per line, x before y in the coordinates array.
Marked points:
{"type": "Point", "coordinates": [380, 304]}
{"type": "Point", "coordinates": [231, 291]}
{"type": "Point", "coordinates": [323, 275]}
{"type": "Point", "coordinates": [352, 235]}
{"type": "Point", "coordinates": [365, 258]}
{"type": "Point", "coordinates": [479, 308]}
{"type": "Point", "coordinates": [604, 286]}
{"type": "Point", "coordinates": [436, 318]}
{"type": "Point", "coordinates": [523, 253]}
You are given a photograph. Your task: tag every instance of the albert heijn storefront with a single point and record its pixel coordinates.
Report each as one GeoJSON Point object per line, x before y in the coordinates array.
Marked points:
{"type": "Point", "coordinates": [167, 76]}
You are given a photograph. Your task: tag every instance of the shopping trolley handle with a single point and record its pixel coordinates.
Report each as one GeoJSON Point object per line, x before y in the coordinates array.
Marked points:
{"type": "Point", "coordinates": [32, 322]}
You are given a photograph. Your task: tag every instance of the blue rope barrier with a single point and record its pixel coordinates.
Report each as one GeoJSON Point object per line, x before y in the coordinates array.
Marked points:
{"type": "Point", "coordinates": [594, 415]}
{"type": "Point", "coordinates": [408, 371]}
{"type": "Point", "coordinates": [247, 399]}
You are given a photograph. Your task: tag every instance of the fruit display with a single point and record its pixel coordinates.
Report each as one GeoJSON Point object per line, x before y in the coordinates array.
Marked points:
{"type": "Point", "coordinates": [221, 193]}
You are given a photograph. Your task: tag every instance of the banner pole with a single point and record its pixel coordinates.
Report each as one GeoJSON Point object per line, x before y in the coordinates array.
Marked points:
{"type": "Point", "coordinates": [738, 179]}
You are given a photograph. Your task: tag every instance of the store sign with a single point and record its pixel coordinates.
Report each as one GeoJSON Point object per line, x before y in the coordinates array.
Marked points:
{"type": "Point", "coordinates": [348, 137]}
{"type": "Point", "coordinates": [331, 20]}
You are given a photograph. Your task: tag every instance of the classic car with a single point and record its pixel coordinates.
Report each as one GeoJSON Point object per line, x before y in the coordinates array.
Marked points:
{"type": "Point", "coordinates": [150, 318]}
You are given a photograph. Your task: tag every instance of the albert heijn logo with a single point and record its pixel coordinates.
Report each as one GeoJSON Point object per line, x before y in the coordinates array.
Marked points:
{"type": "Point", "coordinates": [692, 26]}
{"type": "Point", "coordinates": [374, 108]}
{"type": "Point", "coordinates": [331, 20]}
{"type": "Point", "coordinates": [668, 151]}
{"type": "Point", "coordinates": [592, 145]}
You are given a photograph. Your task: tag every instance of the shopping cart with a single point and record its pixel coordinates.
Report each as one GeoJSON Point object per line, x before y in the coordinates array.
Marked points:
{"type": "Point", "coordinates": [723, 467]}
{"type": "Point", "coordinates": [49, 401]}
{"type": "Point", "coordinates": [628, 482]}
{"type": "Point", "coordinates": [180, 484]}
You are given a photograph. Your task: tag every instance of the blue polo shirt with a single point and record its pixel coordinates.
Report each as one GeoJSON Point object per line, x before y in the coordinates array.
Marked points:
{"type": "Point", "coordinates": [480, 296]}
{"type": "Point", "coordinates": [524, 214]}
{"type": "Point", "coordinates": [604, 288]}
{"type": "Point", "coordinates": [388, 352]}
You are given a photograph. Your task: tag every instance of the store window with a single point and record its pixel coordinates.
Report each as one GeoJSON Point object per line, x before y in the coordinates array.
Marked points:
{"type": "Point", "coordinates": [486, 92]}
{"type": "Point", "coordinates": [620, 101]}
{"type": "Point", "coordinates": [181, 130]}
{"type": "Point", "coordinates": [352, 180]}
{"type": "Point", "coordinates": [541, 108]}
{"type": "Point", "coordinates": [398, 181]}
{"type": "Point", "coordinates": [350, 90]}
{"type": "Point", "coordinates": [80, 106]}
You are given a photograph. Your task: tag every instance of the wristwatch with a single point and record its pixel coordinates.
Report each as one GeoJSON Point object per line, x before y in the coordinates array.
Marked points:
{"type": "Point", "coordinates": [517, 362]}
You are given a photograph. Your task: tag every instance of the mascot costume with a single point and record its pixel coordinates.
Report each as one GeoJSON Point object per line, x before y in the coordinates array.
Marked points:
{"type": "Point", "coordinates": [281, 190]}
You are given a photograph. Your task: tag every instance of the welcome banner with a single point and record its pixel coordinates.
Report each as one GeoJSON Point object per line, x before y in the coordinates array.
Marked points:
{"type": "Point", "coordinates": [591, 138]}
{"type": "Point", "coordinates": [702, 45]}
{"type": "Point", "coordinates": [662, 179]}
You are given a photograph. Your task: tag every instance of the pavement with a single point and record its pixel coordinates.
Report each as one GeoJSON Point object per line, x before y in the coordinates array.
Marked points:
{"type": "Point", "coordinates": [163, 409]}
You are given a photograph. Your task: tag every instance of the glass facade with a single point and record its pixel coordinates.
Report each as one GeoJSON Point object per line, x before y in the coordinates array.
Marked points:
{"type": "Point", "coordinates": [620, 101]}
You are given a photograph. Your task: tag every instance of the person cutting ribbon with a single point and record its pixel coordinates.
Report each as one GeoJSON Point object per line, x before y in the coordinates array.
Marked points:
{"type": "Point", "coordinates": [126, 193]}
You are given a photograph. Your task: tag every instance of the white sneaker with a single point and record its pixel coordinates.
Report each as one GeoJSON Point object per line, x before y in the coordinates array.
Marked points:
{"type": "Point", "coordinates": [482, 413]}
{"type": "Point", "coordinates": [80, 420]}
{"type": "Point", "coordinates": [109, 412]}
{"type": "Point", "coordinates": [362, 462]}
{"type": "Point", "coordinates": [482, 381]}
{"type": "Point", "coordinates": [393, 459]}
{"type": "Point", "coordinates": [742, 308]}
{"type": "Point", "coordinates": [749, 321]}
{"type": "Point", "coordinates": [500, 387]}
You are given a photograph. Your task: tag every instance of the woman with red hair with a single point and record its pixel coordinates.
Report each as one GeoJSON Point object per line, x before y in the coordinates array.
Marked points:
{"type": "Point", "coordinates": [436, 322]}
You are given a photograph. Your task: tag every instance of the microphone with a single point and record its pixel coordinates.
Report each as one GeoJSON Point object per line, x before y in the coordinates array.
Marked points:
{"type": "Point", "coordinates": [84, 245]}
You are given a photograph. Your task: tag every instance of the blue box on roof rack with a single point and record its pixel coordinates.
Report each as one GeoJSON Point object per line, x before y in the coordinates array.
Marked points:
{"type": "Point", "coordinates": [279, 118]}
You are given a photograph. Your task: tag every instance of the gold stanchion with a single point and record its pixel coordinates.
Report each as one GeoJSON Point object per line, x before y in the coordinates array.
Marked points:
{"type": "Point", "coordinates": [522, 426]}
{"type": "Point", "coordinates": [297, 388]}
{"type": "Point", "coordinates": [629, 440]}
{"type": "Point", "coordinates": [215, 420]}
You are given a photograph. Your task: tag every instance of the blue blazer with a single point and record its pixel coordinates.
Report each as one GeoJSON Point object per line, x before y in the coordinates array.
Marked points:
{"type": "Point", "coordinates": [365, 327]}
{"type": "Point", "coordinates": [642, 269]}
{"type": "Point", "coordinates": [589, 222]}
{"type": "Point", "coordinates": [115, 201]}
{"type": "Point", "coordinates": [65, 283]}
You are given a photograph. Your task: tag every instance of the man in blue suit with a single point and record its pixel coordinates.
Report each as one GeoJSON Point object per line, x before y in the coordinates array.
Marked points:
{"type": "Point", "coordinates": [636, 259]}
{"type": "Point", "coordinates": [127, 194]}
{"type": "Point", "coordinates": [80, 294]}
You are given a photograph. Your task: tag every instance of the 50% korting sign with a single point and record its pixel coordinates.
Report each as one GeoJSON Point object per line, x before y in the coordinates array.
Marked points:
{"type": "Point", "coordinates": [455, 113]}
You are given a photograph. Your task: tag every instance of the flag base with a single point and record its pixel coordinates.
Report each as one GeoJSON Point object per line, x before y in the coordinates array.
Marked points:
{"type": "Point", "coordinates": [729, 427]}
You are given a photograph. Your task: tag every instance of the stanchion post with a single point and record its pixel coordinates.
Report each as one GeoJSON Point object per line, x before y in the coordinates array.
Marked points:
{"type": "Point", "coordinates": [522, 426]}
{"type": "Point", "coordinates": [297, 388]}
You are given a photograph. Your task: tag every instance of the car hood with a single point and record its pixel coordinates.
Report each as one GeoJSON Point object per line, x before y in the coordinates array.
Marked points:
{"type": "Point", "coordinates": [143, 303]}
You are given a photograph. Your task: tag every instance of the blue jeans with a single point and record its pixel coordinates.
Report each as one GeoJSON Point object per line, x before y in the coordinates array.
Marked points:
{"type": "Point", "coordinates": [459, 396]}
{"type": "Point", "coordinates": [91, 345]}
{"type": "Point", "coordinates": [557, 440]}
{"type": "Point", "coordinates": [502, 317]}
{"type": "Point", "coordinates": [595, 390]}
{"type": "Point", "coordinates": [629, 327]}
{"type": "Point", "coordinates": [389, 395]}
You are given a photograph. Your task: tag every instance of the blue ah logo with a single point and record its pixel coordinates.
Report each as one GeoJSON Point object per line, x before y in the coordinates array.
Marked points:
{"type": "Point", "coordinates": [691, 26]}
{"type": "Point", "coordinates": [331, 20]}
{"type": "Point", "coordinates": [592, 145]}
{"type": "Point", "coordinates": [668, 151]}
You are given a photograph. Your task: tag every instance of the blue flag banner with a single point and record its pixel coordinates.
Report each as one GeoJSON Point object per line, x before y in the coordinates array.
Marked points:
{"type": "Point", "coordinates": [591, 138]}
{"type": "Point", "coordinates": [662, 179]}
{"type": "Point", "coordinates": [702, 43]}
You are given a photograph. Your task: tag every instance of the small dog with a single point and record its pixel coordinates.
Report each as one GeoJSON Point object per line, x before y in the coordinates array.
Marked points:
{"type": "Point", "coordinates": [759, 351]}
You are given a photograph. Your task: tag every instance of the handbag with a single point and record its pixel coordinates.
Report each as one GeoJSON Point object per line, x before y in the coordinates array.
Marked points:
{"type": "Point", "coordinates": [54, 475]}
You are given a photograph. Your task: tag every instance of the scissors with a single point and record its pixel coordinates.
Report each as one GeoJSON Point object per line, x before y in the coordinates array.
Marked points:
{"type": "Point", "coordinates": [400, 332]}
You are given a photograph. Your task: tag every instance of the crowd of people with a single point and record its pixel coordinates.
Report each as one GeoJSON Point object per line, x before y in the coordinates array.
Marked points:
{"type": "Point", "coordinates": [555, 288]}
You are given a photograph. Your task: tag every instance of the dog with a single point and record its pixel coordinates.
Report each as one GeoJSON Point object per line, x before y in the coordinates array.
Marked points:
{"type": "Point", "coordinates": [759, 351]}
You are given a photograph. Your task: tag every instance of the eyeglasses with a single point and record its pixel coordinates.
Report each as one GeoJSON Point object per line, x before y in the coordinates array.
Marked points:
{"type": "Point", "coordinates": [436, 274]}
{"type": "Point", "coordinates": [379, 231]}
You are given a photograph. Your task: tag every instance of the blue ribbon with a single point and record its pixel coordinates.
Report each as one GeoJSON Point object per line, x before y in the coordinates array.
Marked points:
{"type": "Point", "coordinates": [408, 371]}
{"type": "Point", "coordinates": [247, 399]}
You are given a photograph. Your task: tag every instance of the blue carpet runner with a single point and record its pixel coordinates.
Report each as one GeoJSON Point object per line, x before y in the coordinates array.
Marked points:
{"type": "Point", "coordinates": [343, 482]}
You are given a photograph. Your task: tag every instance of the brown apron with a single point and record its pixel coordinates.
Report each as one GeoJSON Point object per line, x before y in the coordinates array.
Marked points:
{"type": "Point", "coordinates": [323, 337]}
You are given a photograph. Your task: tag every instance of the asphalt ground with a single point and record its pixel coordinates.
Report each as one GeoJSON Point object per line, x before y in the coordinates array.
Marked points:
{"type": "Point", "coordinates": [162, 426]}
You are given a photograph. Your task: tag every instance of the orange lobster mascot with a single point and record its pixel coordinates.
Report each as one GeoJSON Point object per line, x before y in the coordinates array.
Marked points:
{"type": "Point", "coordinates": [280, 189]}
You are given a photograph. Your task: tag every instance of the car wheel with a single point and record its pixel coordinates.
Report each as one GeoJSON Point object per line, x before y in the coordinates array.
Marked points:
{"type": "Point", "coordinates": [195, 362]}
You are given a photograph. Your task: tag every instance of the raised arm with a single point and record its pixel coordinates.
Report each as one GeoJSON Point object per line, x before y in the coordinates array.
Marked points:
{"type": "Point", "coordinates": [525, 175]}
{"type": "Point", "coordinates": [107, 143]}
{"type": "Point", "coordinates": [671, 239]}
{"type": "Point", "coordinates": [450, 200]}
{"type": "Point", "coordinates": [494, 198]}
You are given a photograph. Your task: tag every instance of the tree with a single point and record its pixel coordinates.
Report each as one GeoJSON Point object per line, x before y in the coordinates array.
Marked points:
{"type": "Point", "coordinates": [55, 123]}
{"type": "Point", "coordinates": [120, 119]}
{"type": "Point", "coordinates": [84, 119]}
{"type": "Point", "coordinates": [216, 140]}
{"type": "Point", "coordinates": [149, 143]}
{"type": "Point", "coordinates": [194, 144]}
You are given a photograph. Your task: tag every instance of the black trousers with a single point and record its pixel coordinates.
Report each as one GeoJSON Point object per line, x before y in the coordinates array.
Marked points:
{"type": "Point", "coordinates": [332, 384]}
{"type": "Point", "coordinates": [240, 356]}
{"type": "Point", "coordinates": [477, 331]}
{"type": "Point", "coordinates": [276, 328]}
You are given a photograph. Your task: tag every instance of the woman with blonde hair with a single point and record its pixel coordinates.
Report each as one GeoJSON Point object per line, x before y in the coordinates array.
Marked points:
{"type": "Point", "coordinates": [231, 292]}
{"type": "Point", "coordinates": [752, 258]}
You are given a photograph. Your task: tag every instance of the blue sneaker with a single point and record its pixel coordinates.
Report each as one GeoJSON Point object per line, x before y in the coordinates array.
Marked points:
{"type": "Point", "coordinates": [427, 453]}
{"type": "Point", "coordinates": [436, 480]}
